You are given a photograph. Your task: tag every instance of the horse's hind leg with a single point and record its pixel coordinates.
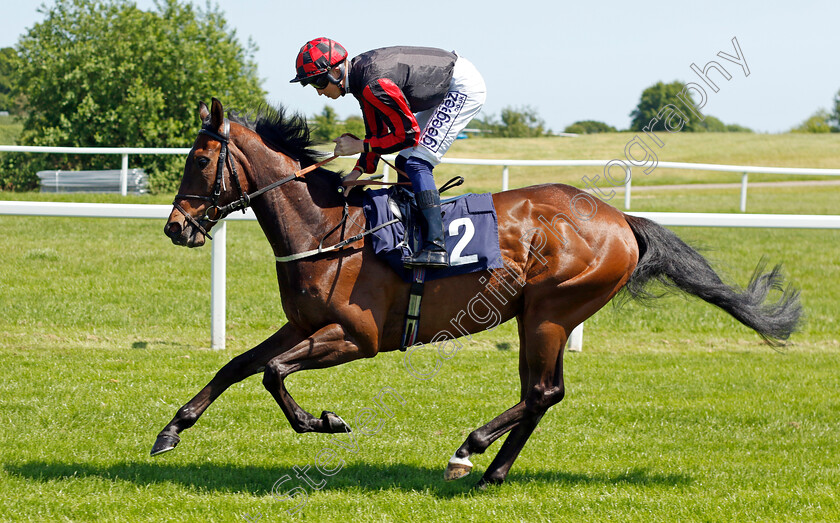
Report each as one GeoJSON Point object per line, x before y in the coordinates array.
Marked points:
{"type": "Point", "coordinates": [541, 374]}
{"type": "Point", "coordinates": [236, 370]}
{"type": "Point", "coordinates": [543, 398]}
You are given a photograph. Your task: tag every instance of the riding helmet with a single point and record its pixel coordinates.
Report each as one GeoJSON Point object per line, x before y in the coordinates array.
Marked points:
{"type": "Point", "coordinates": [317, 57]}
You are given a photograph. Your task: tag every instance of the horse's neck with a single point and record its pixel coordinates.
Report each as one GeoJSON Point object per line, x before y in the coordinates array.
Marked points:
{"type": "Point", "coordinates": [296, 215]}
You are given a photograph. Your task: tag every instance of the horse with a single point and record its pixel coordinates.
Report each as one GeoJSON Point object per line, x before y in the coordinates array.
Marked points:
{"type": "Point", "coordinates": [565, 254]}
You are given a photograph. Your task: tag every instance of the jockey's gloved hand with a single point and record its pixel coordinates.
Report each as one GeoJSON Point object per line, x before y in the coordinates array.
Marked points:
{"type": "Point", "coordinates": [351, 176]}
{"type": "Point", "coordinates": [347, 145]}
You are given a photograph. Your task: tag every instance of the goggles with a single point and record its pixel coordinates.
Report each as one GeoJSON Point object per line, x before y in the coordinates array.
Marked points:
{"type": "Point", "coordinates": [318, 82]}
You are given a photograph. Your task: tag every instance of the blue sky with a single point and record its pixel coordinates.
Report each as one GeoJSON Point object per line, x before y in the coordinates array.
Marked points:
{"type": "Point", "coordinates": [568, 60]}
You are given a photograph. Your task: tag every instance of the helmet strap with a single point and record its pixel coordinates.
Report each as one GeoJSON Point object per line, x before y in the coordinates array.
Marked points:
{"type": "Point", "coordinates": [341, 75]}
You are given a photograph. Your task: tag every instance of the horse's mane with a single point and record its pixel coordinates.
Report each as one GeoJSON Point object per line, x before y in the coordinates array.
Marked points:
{"type": "Point", "coordinates": [288, 134]}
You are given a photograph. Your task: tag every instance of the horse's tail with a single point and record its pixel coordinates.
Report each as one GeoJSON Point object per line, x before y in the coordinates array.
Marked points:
{"type": "Point", "coordinates": [665, 258]}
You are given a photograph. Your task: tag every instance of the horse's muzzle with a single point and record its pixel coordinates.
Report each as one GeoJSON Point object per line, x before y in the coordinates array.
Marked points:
{"type": "Point", "coordinates": [182, 232]}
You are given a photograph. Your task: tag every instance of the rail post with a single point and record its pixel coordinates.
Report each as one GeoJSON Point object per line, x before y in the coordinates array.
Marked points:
{"type": "Point", "coordinates": [124, 175]}
{"type": "Point", "coordinates": [505, 176]}
{"type": "Point", "coordinates": [576, 339]}
{"type": "Point", "coordinates": [744, 192]}
{"type": "Point", "coordinates": [218, 272]}
{"type": "Point", "coordinates": [627, 189]}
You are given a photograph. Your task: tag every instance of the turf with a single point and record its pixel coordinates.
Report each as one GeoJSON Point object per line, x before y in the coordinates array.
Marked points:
{"type": "Point", "coordinates": [691, 431]}
{"type": "Point", "coordinates": [674, 412]}
{"type": "Point", "coordinates": [766, 150]}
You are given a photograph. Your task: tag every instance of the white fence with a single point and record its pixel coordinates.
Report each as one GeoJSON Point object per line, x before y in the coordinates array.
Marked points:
{"type": "Point", "coordinates": [122, 151]}
{"type": "Point", "coordinates": [219, 248]}
{"type": "Point", "coordinates": [745, 170]}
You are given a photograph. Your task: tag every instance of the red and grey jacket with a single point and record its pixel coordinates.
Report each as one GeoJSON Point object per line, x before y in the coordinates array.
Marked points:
{"type": "Point", "coordinates": [391, 85]}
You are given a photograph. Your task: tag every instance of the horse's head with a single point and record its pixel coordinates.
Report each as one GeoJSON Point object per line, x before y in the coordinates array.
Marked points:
{"type": "Point", "coordinates": [269, 150]}
{"type": "Point", "coordinates": [209, 183]}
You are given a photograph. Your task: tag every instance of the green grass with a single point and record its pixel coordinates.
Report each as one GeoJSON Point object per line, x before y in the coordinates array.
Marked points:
{"type": "Point", "coordinates": [93, 287]}
{"type": "Point", "coordinates": [766, 150]}
{"type": "Point", "coordinates": [10, 129]}
{"type": "Point", "coordinates": [674, 412]}
{"type": "Point", "coordinates": [734, 432]}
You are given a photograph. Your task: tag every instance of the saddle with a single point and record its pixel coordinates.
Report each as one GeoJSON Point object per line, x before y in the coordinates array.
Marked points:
{"type": "Point", "coordinates": [471, 234]}
{"type": "Point", "coordinates": [470, 227]}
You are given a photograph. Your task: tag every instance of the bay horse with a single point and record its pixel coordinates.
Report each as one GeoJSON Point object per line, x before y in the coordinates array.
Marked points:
{"type": "Point", "coordinates": [565, 254]}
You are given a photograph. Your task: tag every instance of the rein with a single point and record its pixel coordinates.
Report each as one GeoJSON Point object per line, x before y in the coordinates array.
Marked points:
{"type": "Point", "coordinates": [214, 213]}
{"type": "Point", "coordinates": [371, 181]}
{"type": "Point", "coordinates": [244, 201]}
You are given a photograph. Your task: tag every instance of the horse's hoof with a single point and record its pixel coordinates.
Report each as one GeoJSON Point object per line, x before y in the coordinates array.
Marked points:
{"type": "Point", "coordinates": [457, 468]}
{"type": "Point", "coordinates": [483, 483]}
{"type": "Point", "coordinates": [334, 422]}
{"type": "Point", "coordinates": [164, 443]}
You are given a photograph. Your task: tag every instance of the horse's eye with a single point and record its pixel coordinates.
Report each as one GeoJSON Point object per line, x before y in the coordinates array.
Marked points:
{"type": "Point", "coordinates": [202, 162]}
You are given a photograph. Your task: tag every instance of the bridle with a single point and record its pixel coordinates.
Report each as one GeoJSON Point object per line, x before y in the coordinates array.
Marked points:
{"type": "Point", "coordinates": [214, 212]}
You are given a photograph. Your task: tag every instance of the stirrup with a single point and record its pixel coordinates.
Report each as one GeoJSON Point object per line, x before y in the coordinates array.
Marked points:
{"type": "Point", "coordinates": [427, 258]}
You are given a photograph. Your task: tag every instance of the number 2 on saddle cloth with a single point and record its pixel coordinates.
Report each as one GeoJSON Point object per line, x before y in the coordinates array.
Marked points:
{"type": "Point", "coordinates": [469, 222]}
{"type": "Point", "coordinates": [472, 240]}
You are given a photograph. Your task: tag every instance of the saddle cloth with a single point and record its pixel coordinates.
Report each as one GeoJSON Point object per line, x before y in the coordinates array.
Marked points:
{"type": "Point", "coordinates": [470, 228]}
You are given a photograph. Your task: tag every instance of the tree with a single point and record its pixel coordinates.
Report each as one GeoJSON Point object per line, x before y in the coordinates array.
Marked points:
{"type": "Point", "coordinates": [7, 57]}
{"type": "Point", "coordinates": [325, 126]}
{"type": "Point", "coordinates": [521, 122]}
{"type": "Point", "coordinates": [105, 73]}
{"type": "Point", "coordinates": [653, 99]}
{"type": "Point", "coordinates": [710, 124]}
{"type": "Point", "coordinates": [735, 128]}
{"type": "Point", "coordinates": [656, 97]}
{"type": "Point", "coordinates": [589, 127]}
{"type": "Point", "coordinates": [816, 123]}
{"type": "Point", "coordinates": [355, 125]}
{"type": "Point", "coordinates": [834, 117]}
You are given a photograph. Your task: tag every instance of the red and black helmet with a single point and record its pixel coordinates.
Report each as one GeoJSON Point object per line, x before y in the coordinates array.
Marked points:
{"type": "Point", "coordinates": [316, 58]}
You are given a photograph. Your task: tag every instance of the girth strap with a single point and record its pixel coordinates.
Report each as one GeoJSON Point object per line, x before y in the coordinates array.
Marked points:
{"type": "Point", "coordinates": [339, 245]}
{"type": "Point", "coordinates": [412, 315]}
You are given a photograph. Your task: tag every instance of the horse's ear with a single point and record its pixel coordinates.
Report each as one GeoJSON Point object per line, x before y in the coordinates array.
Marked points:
{"type": "Point", "coordinates": [217, 114]}
{"type": "Point", "coordinates": [203, 112]}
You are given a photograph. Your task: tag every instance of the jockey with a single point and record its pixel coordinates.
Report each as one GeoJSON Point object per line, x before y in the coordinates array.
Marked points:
{"type": "Point", "coordinates": [415, 100]}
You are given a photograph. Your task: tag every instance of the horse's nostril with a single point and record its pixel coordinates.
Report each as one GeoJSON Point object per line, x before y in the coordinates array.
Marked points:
{"type": "Point", "coordinates": [172, 229]}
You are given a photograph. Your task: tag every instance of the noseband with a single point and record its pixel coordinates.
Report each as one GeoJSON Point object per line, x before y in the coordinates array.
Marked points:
{"type": "Point", "coordinates": [214, 212]}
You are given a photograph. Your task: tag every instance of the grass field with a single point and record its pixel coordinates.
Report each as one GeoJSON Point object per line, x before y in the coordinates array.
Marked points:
{"type": "Point", "coordinates": [672, 413]}
{"type": "Point", "coordinates": [768, 150]}
{"type": "Point", "coordinates": [779, 150]}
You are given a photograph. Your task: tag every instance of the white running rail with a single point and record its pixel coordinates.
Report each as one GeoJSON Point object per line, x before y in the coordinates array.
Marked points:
{"type": "Point", "coordinates": [219, 249]}
{"type": "Point", "coordinates": [745, 170]}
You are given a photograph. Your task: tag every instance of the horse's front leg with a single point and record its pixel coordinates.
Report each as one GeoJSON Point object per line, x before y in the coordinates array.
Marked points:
{"type": "Point", "coordinates": [236, 370]}
{"type": "Point", "coordinates": [328, 347]}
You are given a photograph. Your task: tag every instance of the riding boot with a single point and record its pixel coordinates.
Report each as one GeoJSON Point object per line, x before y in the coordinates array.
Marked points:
{"type": "Point", "coordinates": [433, 253]}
